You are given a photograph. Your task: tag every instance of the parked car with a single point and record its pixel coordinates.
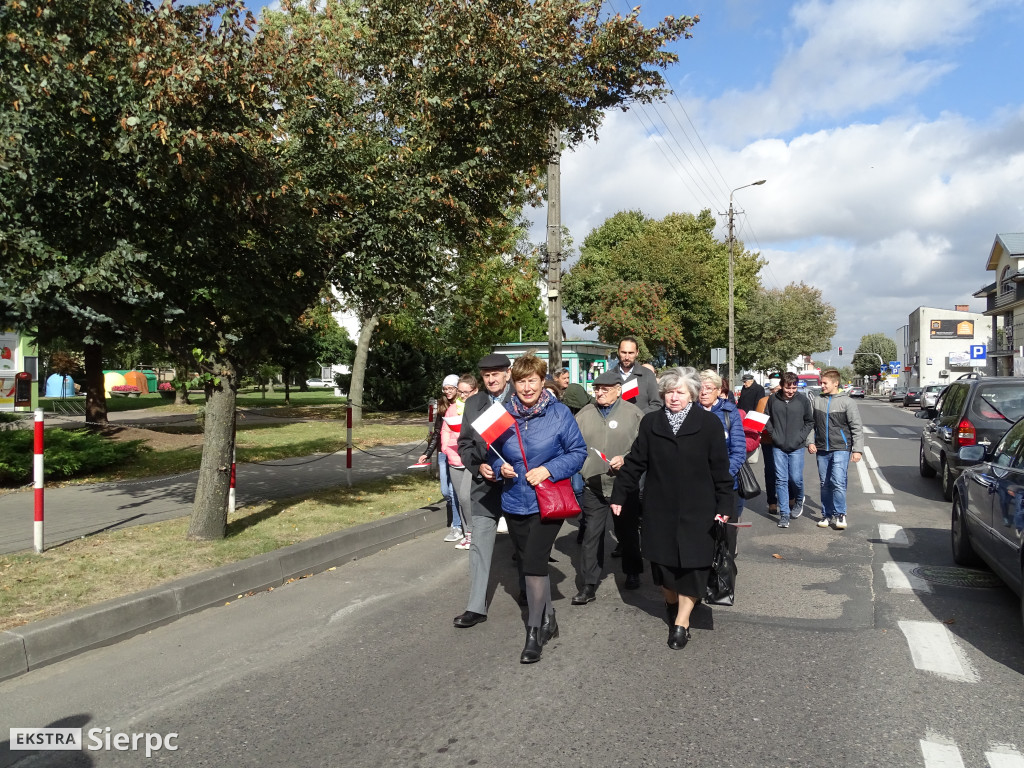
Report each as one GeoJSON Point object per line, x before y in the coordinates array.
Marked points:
{"type": "Point", "coordinates": [968, 412]}
{"type": "Point", "coordinates": [897, 394]}
{"type": "Point", "coordinates": [320, 383]}
{"type": "Point", "coordinates": [930, 394]}
{"type": "Point", "coordinates": [987, 521]}
{"type": "Point", "coordinates": [913, 397]}
{"type": "Point", "coordinates": [856, 391]}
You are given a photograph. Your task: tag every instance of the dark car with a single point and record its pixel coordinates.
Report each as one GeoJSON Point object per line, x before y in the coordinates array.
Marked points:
{"type": "Point", "coordinates": [913, 397]}
{"type": "Point", "coordinates": [988, 522]}
{"type": "Point", "coordinates": [856, 391]}
{"type": "Point", "coordinates": [897, 395]}
{"type": "Point", "coordinates": [969, 412]}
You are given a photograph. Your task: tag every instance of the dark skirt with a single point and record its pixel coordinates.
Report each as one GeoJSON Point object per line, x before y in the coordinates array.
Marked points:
{"type": "Point", "coordinates": [533, 539]}
{"type": "Point", "coordinates": [692, 582]}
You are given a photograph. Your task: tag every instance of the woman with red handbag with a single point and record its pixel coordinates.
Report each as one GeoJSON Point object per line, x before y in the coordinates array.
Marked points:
{"type": "Point", "coordinates": [536, 461]}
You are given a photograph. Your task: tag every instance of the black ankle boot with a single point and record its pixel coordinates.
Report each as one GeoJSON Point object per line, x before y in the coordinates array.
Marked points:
{"type": "Point", "coordinates": [549, 629]}
{"type": "Point", "coordinates": [678, 637]}
{"type": "Point", "coordinates": [531, 651]}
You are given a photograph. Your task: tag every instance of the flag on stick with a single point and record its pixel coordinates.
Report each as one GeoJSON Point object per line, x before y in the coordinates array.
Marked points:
{"type": "Point", "coordinates": [454, 423]}
{"type": "Point", "coordinates": [603, 457]}
{"type": "Point", "coordinates": [493, 422]}
{"type": "Point", "coordinates": [754, 421]}
{"type": "Point", "coordinates": [630, 389]}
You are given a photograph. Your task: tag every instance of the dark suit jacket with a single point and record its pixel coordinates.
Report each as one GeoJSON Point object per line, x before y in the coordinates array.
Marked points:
{"type": "Point", "coordinates": [688, 483]}
{"type": "Point", "coordinates": [473, 452]}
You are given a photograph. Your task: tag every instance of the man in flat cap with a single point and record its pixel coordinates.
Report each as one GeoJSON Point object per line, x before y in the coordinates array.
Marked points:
{"type": "Point", "coordinates": [485, 495]}
{"type": "Point", "coordinates": [751, 393]}
{"type": "Point", "coordinates": [609, 426]}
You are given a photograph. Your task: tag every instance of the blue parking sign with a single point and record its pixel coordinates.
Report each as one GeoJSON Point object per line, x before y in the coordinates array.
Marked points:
{"type": "Point", "coordinates": [894, 366]}
{"type": "Point", "coordinates": [978, 352]}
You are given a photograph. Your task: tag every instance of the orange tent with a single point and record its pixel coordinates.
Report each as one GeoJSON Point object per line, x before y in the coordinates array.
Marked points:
{"type": "Point", "coordinates": [138, 380]}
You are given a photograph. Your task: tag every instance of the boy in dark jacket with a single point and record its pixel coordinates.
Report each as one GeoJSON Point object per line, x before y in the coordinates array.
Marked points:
{"type": "Point", "coordinates": [790, 425]}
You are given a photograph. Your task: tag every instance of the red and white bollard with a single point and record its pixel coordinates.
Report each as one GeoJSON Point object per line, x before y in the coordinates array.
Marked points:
{"type": "Point", "coordinates": [348, 440]}
{"type": "Point", "coordinates": [37, 480]}
{"type": "Point", "coordinates": [231, 488]}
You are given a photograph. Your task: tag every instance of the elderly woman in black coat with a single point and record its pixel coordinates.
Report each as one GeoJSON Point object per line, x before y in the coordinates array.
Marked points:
{"type": "Point", "coordinates": [682, 448]}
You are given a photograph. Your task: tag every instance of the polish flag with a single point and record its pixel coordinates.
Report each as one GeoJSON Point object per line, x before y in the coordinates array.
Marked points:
{"type": "Point", "coordinates": [603, 457]}
{"type": "Point", "coordinates": [631, 389]}
{"type": "Point", "coordinates": [454, 423]}
{"type": "Point", "coordinates": [493, 422]}
{"type": "Point", "coordinates": [754, 421]}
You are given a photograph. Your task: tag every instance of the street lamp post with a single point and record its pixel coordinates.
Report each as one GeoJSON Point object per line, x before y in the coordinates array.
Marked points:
{"type": "Point", "coordinates": [732, 321]}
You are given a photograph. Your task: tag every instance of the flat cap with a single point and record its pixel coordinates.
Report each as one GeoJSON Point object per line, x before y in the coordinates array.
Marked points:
{"type": "Point", "coordinates": [608, 379]}
{"type": "Point", "coordinates": [494, 360]}
{"type": "Point", "coordinates": [748, 377]}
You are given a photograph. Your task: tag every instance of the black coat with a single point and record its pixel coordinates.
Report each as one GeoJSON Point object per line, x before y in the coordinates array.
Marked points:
{"type": "Point", "coordinates": [688, 483]}
{"type": "Point", "coordinates": [473, 452]}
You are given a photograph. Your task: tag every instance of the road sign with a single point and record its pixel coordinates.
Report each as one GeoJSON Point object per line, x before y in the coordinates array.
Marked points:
{"type": "Point", "coordinates": [979, 352]}
{"type": "Point", "coordinates": [894, 366]}
{"type": "Point", "coordinates": [873, 377]}
{"type": "Point", "coordinates": [718, 355]}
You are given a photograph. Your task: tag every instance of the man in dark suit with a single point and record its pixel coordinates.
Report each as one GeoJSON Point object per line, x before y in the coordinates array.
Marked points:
{"type": "Point", "coordinates": [495, 370]}
{"type": "Point", "coordinates": [645, 394]}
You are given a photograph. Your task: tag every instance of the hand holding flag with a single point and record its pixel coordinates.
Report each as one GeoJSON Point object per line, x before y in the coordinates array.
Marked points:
{"type": "Point", "coordinates": [603, 457]}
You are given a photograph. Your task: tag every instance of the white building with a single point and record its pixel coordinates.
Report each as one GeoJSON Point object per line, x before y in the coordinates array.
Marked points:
{"type": "Point", "coordinates": [939, 343]}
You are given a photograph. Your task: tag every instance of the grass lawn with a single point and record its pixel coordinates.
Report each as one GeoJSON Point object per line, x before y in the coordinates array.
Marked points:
{"type": "Point", "coordinates": [115, 563]}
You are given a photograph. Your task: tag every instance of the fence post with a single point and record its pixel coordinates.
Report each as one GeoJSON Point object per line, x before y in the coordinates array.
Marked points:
{"type": "Point", "coordinates": [348, 441]}
{"type": "Point", "coordinates": [37, 481]}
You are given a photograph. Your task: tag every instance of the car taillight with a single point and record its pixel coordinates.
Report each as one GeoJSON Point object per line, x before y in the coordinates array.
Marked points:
{"type": "Point", "coordinates": [965, 434]}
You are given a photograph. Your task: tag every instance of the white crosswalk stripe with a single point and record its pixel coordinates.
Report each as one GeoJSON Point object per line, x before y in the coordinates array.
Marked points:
{"type": "Point", "coordinates": [864, 475]}
{"type": "Point", "coordinates": [939, 755]}
{"type": "Point", "coordinates": [1004, 756]}
{"type": "Point", "coordinates": [933, 649]}
{"type": "Point", "coordinates": [883, 486]}
{"type": "Point", "coordinates": [905, 431]}
{"type": "Point", "coordinates": [893, 535]}
{"type": "Point", "coordinates": [899, 576]}
{"type": "Point", "coordinates": [882, 505]}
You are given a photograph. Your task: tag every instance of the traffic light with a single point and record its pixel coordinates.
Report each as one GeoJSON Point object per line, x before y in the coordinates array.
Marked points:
{"type": "Point", "coordinates": [840, 351]}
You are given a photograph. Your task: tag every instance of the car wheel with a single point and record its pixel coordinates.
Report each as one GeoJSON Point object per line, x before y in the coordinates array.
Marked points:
{"type": "Point", "coordinates": [947, 481]}
{"type": "Point", "coordinates": [963, 552]}
{"type": "Point", "coordinates": [923, 466]}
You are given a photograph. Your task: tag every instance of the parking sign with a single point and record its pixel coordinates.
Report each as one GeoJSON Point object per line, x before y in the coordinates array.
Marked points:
{"type": "Point", "coordinates": [979, 352]}
{"type": "Point", "coordinates": [894, 366]}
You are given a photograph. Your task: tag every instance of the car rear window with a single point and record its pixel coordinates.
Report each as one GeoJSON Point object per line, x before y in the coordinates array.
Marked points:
{"type": "Point", "coordinates": [1003, 402]}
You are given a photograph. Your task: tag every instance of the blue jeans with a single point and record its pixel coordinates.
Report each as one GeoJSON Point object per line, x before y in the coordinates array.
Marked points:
{"type": "Point", "coordinates": [447, 490]}
{"type": "Point", "coordinates": [789, 475]}
{"type": "Point", "coordinates": [832, 469]}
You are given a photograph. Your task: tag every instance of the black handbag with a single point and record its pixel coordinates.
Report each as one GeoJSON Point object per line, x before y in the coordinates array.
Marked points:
{"type": "Point", "coordinates": [722, 579]}
{"type": "Point", "coordinates": [746, 483]}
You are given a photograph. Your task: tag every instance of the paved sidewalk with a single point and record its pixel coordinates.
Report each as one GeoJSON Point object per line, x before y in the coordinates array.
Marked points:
{"type": "Point", "coordinates": [75, 511]}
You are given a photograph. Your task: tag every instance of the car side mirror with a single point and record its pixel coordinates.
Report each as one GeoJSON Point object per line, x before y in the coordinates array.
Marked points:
{"type": "Point", "coordinates": [971, 454]}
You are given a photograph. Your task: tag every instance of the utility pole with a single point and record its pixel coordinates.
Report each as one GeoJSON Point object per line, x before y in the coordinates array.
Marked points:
{"type": "Point", "coordinates": [554, 248]}
{"type": "Point", "coordinates": [732, 291]}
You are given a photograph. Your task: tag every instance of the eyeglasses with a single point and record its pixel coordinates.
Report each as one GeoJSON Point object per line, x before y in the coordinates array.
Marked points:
{"type": "Point", "coordinates": [604, 387]}
{"type": "Point", "coordinates": [466, 392]}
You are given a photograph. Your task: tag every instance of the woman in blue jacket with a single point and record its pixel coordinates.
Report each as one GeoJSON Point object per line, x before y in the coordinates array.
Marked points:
{"type": "Point", "coordinates": [732, 422]}
{"type": "Point", "coordinates": [554, 449]}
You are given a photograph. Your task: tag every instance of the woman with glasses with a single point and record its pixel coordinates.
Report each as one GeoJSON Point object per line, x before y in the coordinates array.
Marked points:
{"type": "Point", "coordinates": [732, 424]}
{"type": "Point", "coordinates": [449, 391]}
{"type": "Point", "coordinates": [461, 479]}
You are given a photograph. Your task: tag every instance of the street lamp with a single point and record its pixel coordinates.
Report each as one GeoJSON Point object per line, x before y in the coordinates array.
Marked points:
{"type": "Point", "coordinates": [732, 331]}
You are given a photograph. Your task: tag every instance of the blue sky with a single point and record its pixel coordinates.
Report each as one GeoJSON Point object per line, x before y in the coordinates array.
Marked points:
{"type": "Point", "coordinates": [890, 132]}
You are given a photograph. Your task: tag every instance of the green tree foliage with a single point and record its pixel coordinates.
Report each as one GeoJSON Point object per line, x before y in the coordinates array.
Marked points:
{"type": "Point", "coordinates": [865, 362]}
{"type": "Point", "coordinates": [682, 309]}
{"type": "Point", "coordinates": [775, 326]}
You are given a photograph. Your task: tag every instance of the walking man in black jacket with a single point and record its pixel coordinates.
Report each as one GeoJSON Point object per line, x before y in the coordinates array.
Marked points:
{"type": "Point", "coordinates": [790, 424]}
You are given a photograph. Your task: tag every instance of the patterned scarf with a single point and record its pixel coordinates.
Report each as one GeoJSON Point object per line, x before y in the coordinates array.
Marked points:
{"type": "Point", "coordinates": [516, 408]}
{"type": "Point", "coordinates": [675, 420]}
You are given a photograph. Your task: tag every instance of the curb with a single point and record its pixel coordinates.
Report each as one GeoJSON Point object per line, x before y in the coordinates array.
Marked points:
{"type": "Point", "coordinates": [51, 640]}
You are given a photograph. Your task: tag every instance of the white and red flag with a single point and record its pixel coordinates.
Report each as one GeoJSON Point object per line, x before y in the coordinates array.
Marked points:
{"type": "Point", "coordinates": [454, 423]}
{"type": "Point", "coordinates": [631, 389]}
{"type": "Point", "coordinates": [493, 422]}
{"type": "Point", "coordinates": [754, 421]}
{"type": "Point", "coordinates": [605, 458]}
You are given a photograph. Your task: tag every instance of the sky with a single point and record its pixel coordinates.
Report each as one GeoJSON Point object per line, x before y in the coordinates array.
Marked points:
{"type": "Point", "coordinates": [890, 135]}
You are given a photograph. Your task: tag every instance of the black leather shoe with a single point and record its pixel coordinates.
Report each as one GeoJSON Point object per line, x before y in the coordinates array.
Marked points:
{"type": "Point", "coordinates": [671, 610]}
{"type": "Point", "coordinates": [632, 581]}
{"type": "Point", "coordinates": [586, 595]}
{"type": "Point", "coordinates": [549, 628]}
{"type": "Point", "coordinates": [531, 651]}
{"type": "Point", "coordinates": [678, 637]}
{"type": "Point", "coordinates": [617, 552]}
{"type": "Point", "coordinates": [469, 619]}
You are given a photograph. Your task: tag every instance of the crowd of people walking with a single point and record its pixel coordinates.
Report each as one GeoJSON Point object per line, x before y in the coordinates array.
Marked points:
{"type": "Point", "coordinates": [657, 458]}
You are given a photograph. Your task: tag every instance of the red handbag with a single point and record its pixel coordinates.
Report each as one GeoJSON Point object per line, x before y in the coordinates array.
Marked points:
{"type": "Point", "coordinates": [556, 500]}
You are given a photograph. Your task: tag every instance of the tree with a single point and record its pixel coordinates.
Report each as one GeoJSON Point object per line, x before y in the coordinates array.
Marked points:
{"type": "Point", "coordinates": [685, 273]}
{"type": "Point", "coordinates": [775, 326]}
{"type": "Point", "coordinates": [872, 346]}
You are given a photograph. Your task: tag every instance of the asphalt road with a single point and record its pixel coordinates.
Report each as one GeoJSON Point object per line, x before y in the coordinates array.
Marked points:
{"type": "Point", "coordinates": [837, 653]}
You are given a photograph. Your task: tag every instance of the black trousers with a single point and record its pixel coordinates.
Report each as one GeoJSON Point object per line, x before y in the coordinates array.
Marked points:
{"type": "Point", "coordinates": [627, 531]}
{"type": "Point", "coordinates": [596, 516]}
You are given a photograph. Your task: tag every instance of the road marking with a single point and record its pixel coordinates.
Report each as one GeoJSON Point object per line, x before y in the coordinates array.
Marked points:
{"type": "Point", "coordinates": [905, 431]}
{"type": "Point", "coordinates": [937, 755]}
{"type": "Point", "coordinates": [869, 431]}
{"type": "Point", "coordinates": [893, 534]}
{"type": "Point", "coordinates": [883, 486]}
{"type": "Point", "coordinates": [865, 476]}
{"type": "Point", "coordinates": [933, 650]}
{"type": "Point", "coordinates": [898, 576]}
{"type": "Point", "coordinates": [1004, 756]}
{"type": "Point", "coordinates": [882, 505]}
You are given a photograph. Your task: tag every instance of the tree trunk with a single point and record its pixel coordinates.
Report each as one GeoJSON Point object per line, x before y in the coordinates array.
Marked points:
{"type": "Point", "coordinates": [181, 375]}
{"type": "Point", "coordinates": [95, 393]}
{"type": "Point", "coordinates": [287, 390]}
{"type": "Point", "coordinates": [210, 510]}
{"type": "Point", "coordinates": [355, 390]}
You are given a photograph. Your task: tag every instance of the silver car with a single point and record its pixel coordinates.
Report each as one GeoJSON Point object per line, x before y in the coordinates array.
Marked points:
{"type": "Point", "coordinates": [930, 395]}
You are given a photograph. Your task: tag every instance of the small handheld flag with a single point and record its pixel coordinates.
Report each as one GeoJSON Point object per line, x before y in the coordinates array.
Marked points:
{"type": "Point", "coordinates": [493, 422]}
{"type": "Point", "coordinates": [454, 423]}
{"type": "Point", "coordinates": [754, 421]}
{"type": "Point", "coordinates": [603, 457]}
{"type": "Point", "coordinates": [630, 389]}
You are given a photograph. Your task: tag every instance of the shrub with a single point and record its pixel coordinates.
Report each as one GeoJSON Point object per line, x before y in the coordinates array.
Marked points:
{"type": "Point", "coordinates": [124, 388]}
{"type": "Point", "coordinates": [66, 453]}
{"type": "Point", "coordinates": [165, 386]}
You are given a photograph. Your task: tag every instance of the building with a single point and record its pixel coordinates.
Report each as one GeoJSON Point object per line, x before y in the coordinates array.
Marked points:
{"type": "Point", "coordinates": [940, 342]}
{"type": "Point", "coordinates": [18, 356]}
{"type": "Point", "coordinates": [1005, 305]}
{"type": "Point", "coordinates": [586, 360]}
